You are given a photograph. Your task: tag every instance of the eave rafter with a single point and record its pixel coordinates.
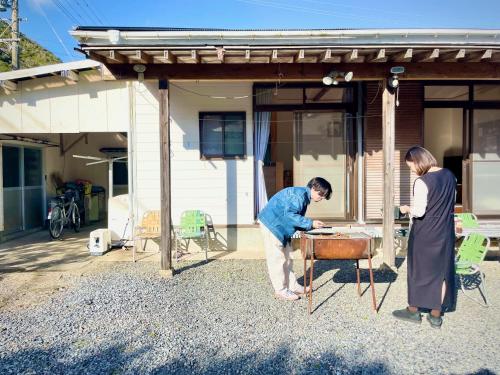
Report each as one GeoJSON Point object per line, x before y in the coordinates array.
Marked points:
{"type": "Point", "coordinates": [289, 55]}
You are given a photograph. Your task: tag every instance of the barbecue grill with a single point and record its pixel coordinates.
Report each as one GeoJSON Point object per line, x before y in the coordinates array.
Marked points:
{"type": "Point", "coordinates": [327, 244]}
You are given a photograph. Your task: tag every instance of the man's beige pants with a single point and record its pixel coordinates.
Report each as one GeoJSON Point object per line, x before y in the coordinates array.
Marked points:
{"type": "Point", "coordinates": [279, 262]}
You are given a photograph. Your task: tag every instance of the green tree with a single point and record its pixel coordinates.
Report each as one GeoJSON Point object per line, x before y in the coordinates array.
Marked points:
{"type": "Point", "coordinates": [31, 54]}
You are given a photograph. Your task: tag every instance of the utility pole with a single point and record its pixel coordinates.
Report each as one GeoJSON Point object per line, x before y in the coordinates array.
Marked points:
{"type": "Point", "coordinates": [15, 35]}
{"type": "Point", "coordinates": [13, 41]}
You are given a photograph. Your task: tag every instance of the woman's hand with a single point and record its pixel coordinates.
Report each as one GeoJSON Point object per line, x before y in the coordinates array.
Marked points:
{"type": "Point", "coordinates": [404, 209]}
{"type": "Point", "coordinates": [318, 224]}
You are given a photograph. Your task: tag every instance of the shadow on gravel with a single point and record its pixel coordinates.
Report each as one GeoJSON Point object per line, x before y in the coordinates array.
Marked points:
{"type": "Point", "coordinates": [279, 362]}
{"type": "Point", "coordinates": [114, 360]}
{"type": "Point", "coordinates": [346, 274]}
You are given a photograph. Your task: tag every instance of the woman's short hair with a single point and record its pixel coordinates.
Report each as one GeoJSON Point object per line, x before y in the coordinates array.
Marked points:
{"type": "Point", "coordinates": [421, 158]}
{"type": "Point", "coordinates": [322, 186]}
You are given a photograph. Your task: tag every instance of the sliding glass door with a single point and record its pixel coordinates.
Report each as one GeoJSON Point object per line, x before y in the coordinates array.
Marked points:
{"type": "Point", "coordinates": [485, 159]}
{"type": "Point", "coordinates": [22, 188]}
{"type": "Point", "coordinates": [321, 142]}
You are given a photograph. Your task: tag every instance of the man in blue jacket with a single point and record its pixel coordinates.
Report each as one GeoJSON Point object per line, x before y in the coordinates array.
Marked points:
{"type": "Point", "coordinates": [280, 218]}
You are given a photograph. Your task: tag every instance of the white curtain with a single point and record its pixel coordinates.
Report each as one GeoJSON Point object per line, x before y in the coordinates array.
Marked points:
{"type": "Point", "coordinates": [262, 127]}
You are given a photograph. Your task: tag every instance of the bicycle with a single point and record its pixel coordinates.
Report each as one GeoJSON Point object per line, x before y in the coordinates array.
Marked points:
{"type": "Point", "coordinates": [63, 213]}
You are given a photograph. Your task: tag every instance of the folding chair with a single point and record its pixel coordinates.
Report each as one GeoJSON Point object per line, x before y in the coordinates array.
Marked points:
{"type": "Point", "coordinates": [148, 229]}
{"type": "Point", "coordinates": [470, 254]}
{"type": "Point", "coordinates": [193, 225]}
{"type": "Point", "coordinates": [468, 219]}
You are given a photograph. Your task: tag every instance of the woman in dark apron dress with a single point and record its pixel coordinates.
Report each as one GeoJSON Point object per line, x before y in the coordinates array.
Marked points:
{"type": "Point", "coordinates": [431, 244]}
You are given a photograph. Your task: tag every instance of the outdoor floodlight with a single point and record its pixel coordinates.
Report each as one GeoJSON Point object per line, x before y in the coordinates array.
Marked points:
{"type": "Point", "coordinates": [332, 77]}
{"type": "Point", "coordinates": [139, 69]}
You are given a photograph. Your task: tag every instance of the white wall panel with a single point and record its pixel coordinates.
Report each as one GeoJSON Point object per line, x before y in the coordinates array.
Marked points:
{"type": "Point", "coordinates": [10, 113]}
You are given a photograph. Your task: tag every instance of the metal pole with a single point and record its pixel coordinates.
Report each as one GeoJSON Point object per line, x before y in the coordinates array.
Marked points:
{"type": "Point", "coordinates": [15, 35]}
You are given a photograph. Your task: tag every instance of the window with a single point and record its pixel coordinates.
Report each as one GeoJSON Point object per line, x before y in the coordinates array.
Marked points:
{"type": "Point", "coordinates": [222, 134]}
{"type": "Point", "coordinates": [447, 93]}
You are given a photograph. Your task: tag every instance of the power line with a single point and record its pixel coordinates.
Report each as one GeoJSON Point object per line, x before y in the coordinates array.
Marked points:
{"type": "Point", "coordinates": [86, 12]}
{"type": "Point", "coordinates": [296, 8]}
{"type": "Point", "coordinates": [64, 11]}
{"type": "Point", "coordinates": [94, 12]}
{"type": "Point", "coordinates": [54, 31]}
{"type": "Point", "coordinates": [74, 10]}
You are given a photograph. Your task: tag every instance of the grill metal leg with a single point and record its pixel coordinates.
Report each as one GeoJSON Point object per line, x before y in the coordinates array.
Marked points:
{"type": "Point", "coordinates": [309, 307]}
{"type": "Point", "coordinates": [374, 300]}
{"type": "Point", "coordinates": [357, 277]}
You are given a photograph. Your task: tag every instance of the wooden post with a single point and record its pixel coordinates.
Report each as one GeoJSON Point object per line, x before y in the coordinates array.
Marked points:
{"type": "Point", "coordinates": [166, 250]}
{"type": "Point", "coordinates": [388, 145]}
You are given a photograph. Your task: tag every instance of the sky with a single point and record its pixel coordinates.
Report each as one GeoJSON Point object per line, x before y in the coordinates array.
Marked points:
{"type": "Point", "coordinates": [48, 21]}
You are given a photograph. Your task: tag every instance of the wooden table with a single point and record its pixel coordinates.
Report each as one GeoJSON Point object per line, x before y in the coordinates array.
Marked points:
{"type": "Point", "coordinates": [324, 244]}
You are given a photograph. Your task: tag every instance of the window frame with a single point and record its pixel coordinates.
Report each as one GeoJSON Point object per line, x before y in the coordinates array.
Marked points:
{"type": "Point", "coordinates": [223, 156]}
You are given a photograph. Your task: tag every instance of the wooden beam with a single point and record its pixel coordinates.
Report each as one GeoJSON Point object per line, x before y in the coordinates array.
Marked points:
{"type": "Point", "coordinates": [379, 56]}
{"type": "Point", "coordinates": [351, 56]}
{"type": "Point", "coordinates": [313, 71]}
{"type": "Point", "coordinates": [98, 57]}
{"type": "Point", "coordinates": [328, 57]}
{"type": "Point", "coordinates": [274, 55]}
{"type": "Point", "coordinates": [166, 225]}
{"type": "Point", "coordinates": [404, 56]}
{"type": "Point", "coordinates": [167, 57]}
{"type": "Point", "coordinates": [388, 147]}
{"type": "Point", "coordinates": [9, 85]}
{"type": "Point", "coordinates": [195, 56]}
{"type": "Point", "coordinates": [299, 57]}
{"type": "Point", "coordinates": [117, 57]}
{"type": "Point", "coordinates": [220, 54]}
{"type": "Point", "coordinates": [487, 54]}
{"type": "Point", "coordinates": [61, 144]}
{"type": "Point", "coordinates": [70, 75]}
{"type": "Point", "coordinates": [452, 56]}
{"type": "Point", "coordinates": [428, 56]}
{"type": "Point", "coordinates": [72, 144]}
{"type": "Point", "coordinates": [320, 94]}
{"type": "Point", "coordinates": [106, 74]}
{"type": "Point", "coordinates": [141, 57]}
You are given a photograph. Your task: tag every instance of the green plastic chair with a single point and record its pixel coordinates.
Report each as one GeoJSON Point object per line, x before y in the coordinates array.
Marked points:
{"type": "Point", "coordinates": [468, 219]}
{"type": "Point", "coordinates": [470, 254]}
{"type": "Point", "coordinates": [193, 225]}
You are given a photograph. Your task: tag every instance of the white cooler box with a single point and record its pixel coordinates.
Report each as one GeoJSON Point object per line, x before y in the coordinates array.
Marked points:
{"type": "Point", "coordinates": [100, 241]}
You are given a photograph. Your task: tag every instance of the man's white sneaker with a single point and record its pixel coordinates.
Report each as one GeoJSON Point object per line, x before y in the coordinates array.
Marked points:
{"type": "Point", "coordinates": [286, 295]}
{"type": "Point", "coordinates": [300, 291]}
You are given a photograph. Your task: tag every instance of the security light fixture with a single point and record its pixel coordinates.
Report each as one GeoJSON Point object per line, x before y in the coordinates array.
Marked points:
{"type": "Point", "coordinates": [332, 77]}
{"type": "Point", "coordinates": [139, 69]}
{"type": "Point", "coordinates": [394, 80]}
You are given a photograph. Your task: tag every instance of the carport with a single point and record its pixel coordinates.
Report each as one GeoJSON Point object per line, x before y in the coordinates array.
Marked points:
{"type": "Point", "coordinates": [61, 126]}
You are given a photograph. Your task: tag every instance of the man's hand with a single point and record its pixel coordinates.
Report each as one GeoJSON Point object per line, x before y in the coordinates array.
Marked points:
{"type": "Point", "coordinates": [318, 224]}
{"type": "Point", "coordinates": [404, 209]}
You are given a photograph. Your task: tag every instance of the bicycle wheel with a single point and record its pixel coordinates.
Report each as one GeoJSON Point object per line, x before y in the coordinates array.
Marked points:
{"type": "Point", "coordinates": [56, 223]}
{"type": "Point", "coordinates": [76, 218]}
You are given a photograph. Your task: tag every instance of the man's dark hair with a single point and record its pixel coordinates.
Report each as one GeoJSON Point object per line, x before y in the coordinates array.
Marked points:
{"type": "Point", "coordinates": [322, 186]}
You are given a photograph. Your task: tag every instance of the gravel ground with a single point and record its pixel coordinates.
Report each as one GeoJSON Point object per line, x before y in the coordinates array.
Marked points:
{"type": "Point", "coordinates": [221, 318]}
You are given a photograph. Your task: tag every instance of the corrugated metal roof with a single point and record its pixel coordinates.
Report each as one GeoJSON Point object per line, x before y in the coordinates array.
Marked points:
{"type": "Point", "coordinates": [187, 29]}
{"type": "Point", "coordinates": [49, 70]}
